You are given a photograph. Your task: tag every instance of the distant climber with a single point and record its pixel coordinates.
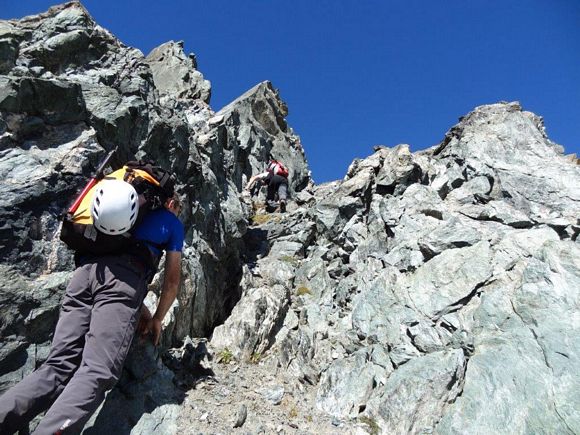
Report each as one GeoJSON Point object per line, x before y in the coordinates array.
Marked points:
{"type": "Point", "coordinates": [103, 301]}
{"type": "Point", "coordinates": [276, 178]}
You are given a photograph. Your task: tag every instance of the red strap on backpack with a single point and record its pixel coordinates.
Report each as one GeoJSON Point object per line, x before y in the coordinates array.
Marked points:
{"type": "Point", "coordinates": [277, 168]}
{"type": "Point", "coordinates": [282, 170]}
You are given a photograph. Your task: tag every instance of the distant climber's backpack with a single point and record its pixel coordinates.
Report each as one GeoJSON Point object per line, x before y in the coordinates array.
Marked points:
{"type": "Point", "coordinates": [277, 168]}
{"type": "Point", "coordinates": [78, 232]}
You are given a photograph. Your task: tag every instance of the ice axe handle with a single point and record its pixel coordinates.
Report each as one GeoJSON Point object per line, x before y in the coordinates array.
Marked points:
{"type": "Point", "coordinates": [99, 174]}
{"type": "Point", "coordinates": [101, 169]}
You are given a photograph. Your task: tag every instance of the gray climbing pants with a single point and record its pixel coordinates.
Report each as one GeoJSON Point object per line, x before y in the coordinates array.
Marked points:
{"type": "Point", "coordinates": [277, 185]}
{"type": "Point", "coordinates": [97, 322]}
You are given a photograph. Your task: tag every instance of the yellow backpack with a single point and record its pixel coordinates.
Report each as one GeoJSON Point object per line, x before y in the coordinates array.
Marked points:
{"type": "Point", "coordinates": [155, 184]}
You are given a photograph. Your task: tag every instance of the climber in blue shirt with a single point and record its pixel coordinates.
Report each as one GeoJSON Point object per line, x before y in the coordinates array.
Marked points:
{"type": "Point", "coordinates": [160, 228]}
{"type": "Point", "coordinates": [98, 318]}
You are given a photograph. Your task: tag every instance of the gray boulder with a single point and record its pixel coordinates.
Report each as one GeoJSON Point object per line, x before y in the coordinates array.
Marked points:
{"type": "Point", "coordinates": [415, 396]}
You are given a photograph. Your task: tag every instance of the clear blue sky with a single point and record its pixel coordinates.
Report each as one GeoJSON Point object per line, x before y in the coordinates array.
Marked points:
{"type": "Point", "coordinates": [359, 73]}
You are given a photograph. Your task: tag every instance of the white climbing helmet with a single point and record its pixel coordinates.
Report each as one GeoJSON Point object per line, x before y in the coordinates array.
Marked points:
{"type": "Point", "coordinates": [114, 207]}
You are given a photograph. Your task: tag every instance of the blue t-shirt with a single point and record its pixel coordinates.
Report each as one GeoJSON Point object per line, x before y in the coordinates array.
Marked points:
{"type": "Point", "coordinates": [162, 229]}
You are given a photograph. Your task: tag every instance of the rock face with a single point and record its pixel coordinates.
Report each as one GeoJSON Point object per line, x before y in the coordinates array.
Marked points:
{"type": "Point", "coordinates": [428, 292]}
{"type": "Point", "coordinates": [69, 92]}
{"type": "Point", "coordinates": [175, 75]}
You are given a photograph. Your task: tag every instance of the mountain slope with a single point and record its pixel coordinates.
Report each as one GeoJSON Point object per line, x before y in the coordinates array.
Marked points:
{"type": "Point", "coordinates": [427, 292]}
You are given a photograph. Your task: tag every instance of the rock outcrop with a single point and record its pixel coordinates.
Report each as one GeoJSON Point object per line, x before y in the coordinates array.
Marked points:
{"type": "Point", "coordinates": [427, 292]}
{"type": "Point", "coordinates": [430, 292]}
{"type": "Point", "coordinates": [176, 75]}
{"type": "Point", "coordinates": [69, 92]}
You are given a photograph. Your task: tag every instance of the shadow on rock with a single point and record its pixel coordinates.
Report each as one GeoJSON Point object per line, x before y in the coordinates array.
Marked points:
{"type": "Point", "coordinates": [257, 246]}
{"type": "Point", "coordinates": [191, 363]}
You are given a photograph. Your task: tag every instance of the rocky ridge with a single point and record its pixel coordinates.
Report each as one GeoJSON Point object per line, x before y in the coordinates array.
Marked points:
{"type": "Point", "coordinates": [427, 292]}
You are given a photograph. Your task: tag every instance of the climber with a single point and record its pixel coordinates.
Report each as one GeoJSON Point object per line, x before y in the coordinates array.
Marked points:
{"type": "Point", "coordinates": [100, 314]}
{"type": "Point", "coordinates": [276, 178]}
